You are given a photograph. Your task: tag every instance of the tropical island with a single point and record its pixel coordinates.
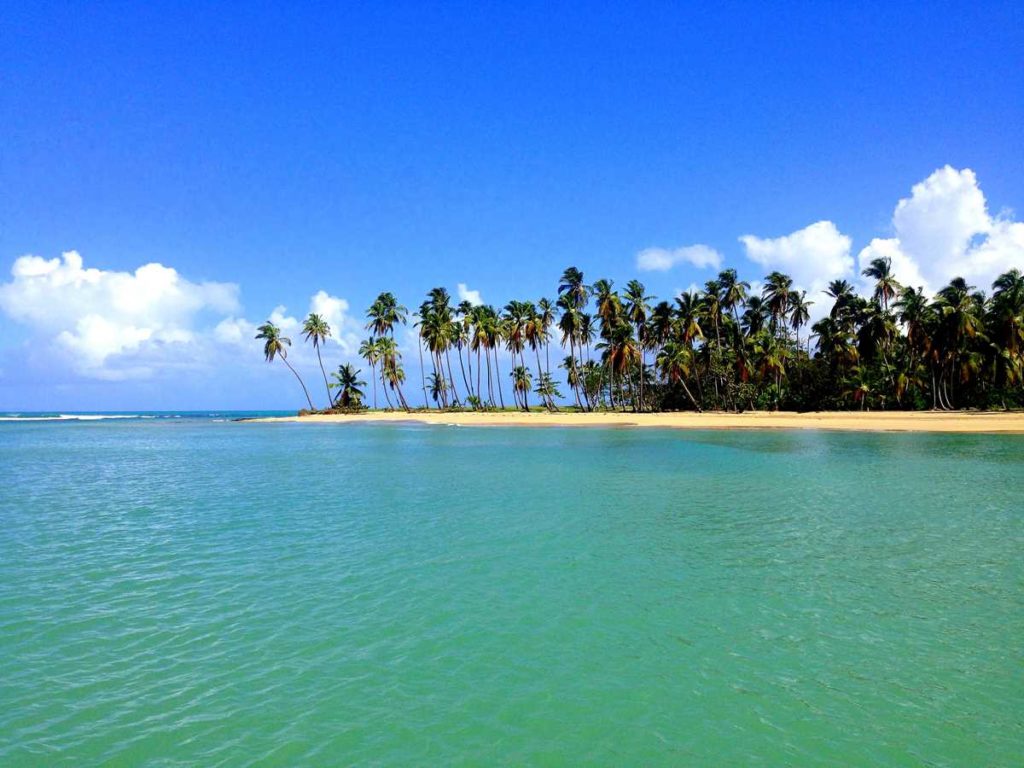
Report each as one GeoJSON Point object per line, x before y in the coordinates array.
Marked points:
{"type": "Point", "coordinates": [723, 356]}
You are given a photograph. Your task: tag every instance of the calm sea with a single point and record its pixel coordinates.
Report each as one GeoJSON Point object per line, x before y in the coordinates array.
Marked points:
{"type": "Point", "coordinates": [194, 591]}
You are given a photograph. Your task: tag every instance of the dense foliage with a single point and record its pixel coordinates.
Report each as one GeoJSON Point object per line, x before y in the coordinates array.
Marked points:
{"type": "Point", "coordinates": [723, 347]}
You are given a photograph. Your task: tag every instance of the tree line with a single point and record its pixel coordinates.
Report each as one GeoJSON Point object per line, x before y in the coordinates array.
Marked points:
{"type": "Point", "coordinates": [723, 347]}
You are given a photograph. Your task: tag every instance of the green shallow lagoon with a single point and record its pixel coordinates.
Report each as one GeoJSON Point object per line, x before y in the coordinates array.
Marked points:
{"type": "Point", "coordinates": [205, 593]}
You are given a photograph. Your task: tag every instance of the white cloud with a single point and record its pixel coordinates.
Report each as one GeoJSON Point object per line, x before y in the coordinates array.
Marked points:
{"type": "Point", "coordinates": [95, 315]}
{"type": "Point", "coordinates": [944, 230]}
{"type": "Point", "coordinates": [344, 329]}
{"type": "Point", "coordinates": [127, 325]}
{"type": "Point", "coordinates": [812, 256]}
{"type": "Point", "coordinates": [662, 259]}
{"type": "Point", "coordinates": [465, 294]}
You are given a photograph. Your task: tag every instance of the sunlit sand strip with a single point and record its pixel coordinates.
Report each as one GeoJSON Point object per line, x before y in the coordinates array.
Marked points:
{"type": "Point", "coordinates": [892, 421]}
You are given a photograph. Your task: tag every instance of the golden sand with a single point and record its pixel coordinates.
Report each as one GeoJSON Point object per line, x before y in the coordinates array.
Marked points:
{"type": "Point", "coordinates": [890, 421]}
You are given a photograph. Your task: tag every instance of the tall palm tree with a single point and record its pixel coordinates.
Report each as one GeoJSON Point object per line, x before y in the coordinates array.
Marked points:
{"type": "Point", "coordinates": [316, 329]}
{"type": "Point", "coordinates": [275, 345]}
{"type": "Point", "coordinates": [569, 325]}
{"type": "Point", "coordinates": [545, 319]}
{"type": "Point", "coordinates": [637, 309]}
{"type": "Point", "coordinates": [383, 315]}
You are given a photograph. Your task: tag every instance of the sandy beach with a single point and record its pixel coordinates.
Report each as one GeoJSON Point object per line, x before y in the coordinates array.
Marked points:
{"type": "Point", "coordinates": [890, 421]}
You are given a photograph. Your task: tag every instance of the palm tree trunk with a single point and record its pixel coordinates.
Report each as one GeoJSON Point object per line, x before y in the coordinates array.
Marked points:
{"type": "Point", "coordinates": [373, 371]}
{"type": "Point", "coordinates": [384, 386]}
{"type": "Point", "coordinates": [469, 389]}
{"type": "Point", "coordinates": [575, 377]}
{"type": "Point", "coordinates": [455, 391]}
{"type": "Point", "coordinates": [301, 383]}
{"type": "Point", "coordinates": [423, 373]}
{"type": "Point", "coordinates": [330, 400]}
{"type": "Point", "coordinates": [490, 385]}
{"type": "Point", "coordinates": [546, 401]}
{"type": "Point", "coordinates": [689, 394]}
{"type": "Point", "coordinates": [497, 375]}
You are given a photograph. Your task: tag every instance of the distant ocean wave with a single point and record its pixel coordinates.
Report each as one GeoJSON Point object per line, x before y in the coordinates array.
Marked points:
{"type": "Point", "coordinates": [217, 416]}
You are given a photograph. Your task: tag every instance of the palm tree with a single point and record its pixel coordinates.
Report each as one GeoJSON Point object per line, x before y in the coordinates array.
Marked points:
{"type": "Point", "coordinates": [384, 314]}
{"type": "Point", "coordinates": [547, 390]}
{"type": "Point", "coordinates": [572, 286]}
{"type": "Point", "coordinates": [392, 372]}
{"type": "Point", "coordinates": [317, 330]}
{"type": "Point", "coordinates": [369, 350]}
{"type": "Point", "coordinates": [569, 325]}
{"type": "Point", "coordinates": [275, 345]}
{"type": "Point", "coordinates": [776, 294]}
{"type": "Point", "coordinates": [347, 380]}
{"type": "Point", "coordinates": [545, 319]}
{"type": "Point", "coordinates": [675, 362]}
{"type": "Point", "coordinates": [733, 292]}
{"type": "Point", "coordinates": [799, 312]}
{"type": "Point", "coordinates": [637, 308]}
{"type": "Point", "coordinates": [886, 286]}
{"type": "Point", "coordinates": [437, 388]}
{"type": "Point", "coordinates": [521, 383]}
{"type": "Point", "coordinates": [620, 353]}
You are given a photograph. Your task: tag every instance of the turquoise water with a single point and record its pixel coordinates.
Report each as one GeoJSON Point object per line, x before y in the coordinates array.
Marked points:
{"type": "Point", "coordinates": [192, 592]}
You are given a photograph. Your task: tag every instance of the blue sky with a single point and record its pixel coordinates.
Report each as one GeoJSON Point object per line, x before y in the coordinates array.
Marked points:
{"type": "Point", "coordinates": [295, 148]}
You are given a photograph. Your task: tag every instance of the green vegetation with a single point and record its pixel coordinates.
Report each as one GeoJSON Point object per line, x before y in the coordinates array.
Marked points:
{"type": "Point", "coordinates": [723, 347]}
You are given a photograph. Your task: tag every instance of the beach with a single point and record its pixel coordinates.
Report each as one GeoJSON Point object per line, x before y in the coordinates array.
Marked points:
{"type": "Point", "coordinates": [987, 422]}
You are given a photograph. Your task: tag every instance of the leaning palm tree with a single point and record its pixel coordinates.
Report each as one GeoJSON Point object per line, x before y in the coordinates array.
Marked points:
{"type": "Point", "coordinates": [275, 345]}
{"type": "Point", "coordinates": [346, 378]}
{"type": "Point", "coordinates": [316, 329]}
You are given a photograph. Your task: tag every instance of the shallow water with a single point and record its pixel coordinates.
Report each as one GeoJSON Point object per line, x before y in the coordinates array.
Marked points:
{"type": "Point", "coordinates": [179, 592]}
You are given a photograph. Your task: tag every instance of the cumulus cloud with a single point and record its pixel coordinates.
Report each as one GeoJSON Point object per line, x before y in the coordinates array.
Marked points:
{"type": "Point", "coordinates": [944, 230]}
{"type": "Point", "coordinates": [662, 259]}
{"type": "Point", "coordinates": [812, 256]}
{"type": "Point", "coordinates": [465, 294]}
{"type": "Point", "coordinates": [344, 329]}
{"type": "Point", "coordinates": [114, 325]}
{"type": "Point", "coordinates": [95, 315]}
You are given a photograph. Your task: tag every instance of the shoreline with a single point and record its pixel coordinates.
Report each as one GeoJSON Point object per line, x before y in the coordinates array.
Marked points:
{"type": "Point", "coordinates": [966, 422]}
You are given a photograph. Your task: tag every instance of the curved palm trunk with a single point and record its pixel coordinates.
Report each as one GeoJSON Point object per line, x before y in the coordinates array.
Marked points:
{"type": "Point", "coordinates": [423, 373]}
{"type": "Point", "coordinates": [469, 389]}
{"type": "Point", "coordinates": [384, 386]}
{"type": "Point", "coordinates": [301, 383]}
{"type": "Point", "coordinates": [373, 378]}
{"type": "Point", "coordinates": [689, 394]}
{"type": "Point", "coordinates": [451, 378]}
